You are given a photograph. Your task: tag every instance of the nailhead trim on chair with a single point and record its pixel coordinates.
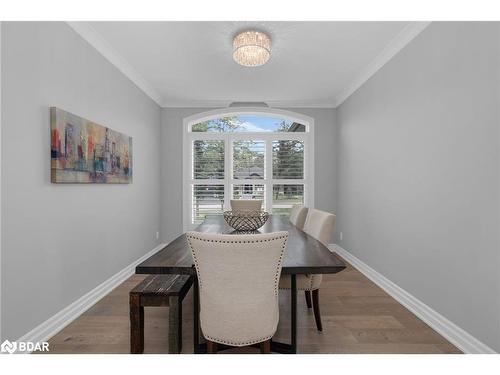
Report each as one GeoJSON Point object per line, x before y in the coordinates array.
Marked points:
{"type": "Point", "coordinates": [310, 289]}
{"type": "Point", "coordinates": [276, 280]}
{"type": "Point", "coordinates": [220, 341]}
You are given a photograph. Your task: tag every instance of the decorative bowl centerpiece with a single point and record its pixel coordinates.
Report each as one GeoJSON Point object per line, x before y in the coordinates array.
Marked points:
{"type": "Point", "coordinates": [245, 221]}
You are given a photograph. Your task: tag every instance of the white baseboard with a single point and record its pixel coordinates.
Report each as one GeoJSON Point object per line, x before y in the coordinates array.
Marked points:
{"type": "Point", "coordinates": [56, 323]}
{"type": "Point", "coordinates": [449, 330]}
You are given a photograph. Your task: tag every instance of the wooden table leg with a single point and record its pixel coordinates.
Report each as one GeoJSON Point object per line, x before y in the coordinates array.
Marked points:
{"type": "Point", "coordinates": [281, 347]}
{"type": "Point", "coordinates": [197, 347]}
{"type": "Point", "coordinates": [294, 313]}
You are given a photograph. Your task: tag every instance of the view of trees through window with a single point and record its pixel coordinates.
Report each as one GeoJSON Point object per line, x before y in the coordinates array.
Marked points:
{"type": "Point", "coordinates": [253, 124]}
{"type": "Point", "coordinates": [208, 157]}
{"type": "Point", "coordinates": [260, 164]}
{"type": "Point", "coordinates": [248, 160]}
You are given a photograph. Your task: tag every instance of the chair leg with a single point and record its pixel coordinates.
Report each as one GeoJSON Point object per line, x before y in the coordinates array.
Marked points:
{"type": "Point", "coordinates": [265, 347]}
{"type": "Point", "coordinates": [136, 325]}
{"type": "Point", "coordinates": [211, 347]}
{"type": "Point", "coordinates": [308, 298]}
{"type": "Point", "coordinates": [317, 314]}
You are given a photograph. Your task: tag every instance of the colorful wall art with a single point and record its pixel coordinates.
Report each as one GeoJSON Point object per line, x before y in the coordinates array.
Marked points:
{"type": "Point", "coordinates": [85, 152]}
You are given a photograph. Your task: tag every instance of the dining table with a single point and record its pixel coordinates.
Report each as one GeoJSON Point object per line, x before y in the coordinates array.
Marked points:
{"type": "Point", "coordinates": [304, 255]}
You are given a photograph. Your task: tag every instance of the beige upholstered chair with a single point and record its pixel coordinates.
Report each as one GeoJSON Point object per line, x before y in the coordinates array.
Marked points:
{"type": "Point", "coordinates": [245, 205]}
{"type": "Point", "coordinates": [238, 282]}
{"type": "Point", "coordinates": [298, 216]}
{"type": "Point", "coordinates": [320, 225]}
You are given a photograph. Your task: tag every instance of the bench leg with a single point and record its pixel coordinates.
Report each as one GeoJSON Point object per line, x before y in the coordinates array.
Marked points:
{"type": "Point", "coordinates": [175, 325]}
{"type": "Point", "coordinates": [136, 325]}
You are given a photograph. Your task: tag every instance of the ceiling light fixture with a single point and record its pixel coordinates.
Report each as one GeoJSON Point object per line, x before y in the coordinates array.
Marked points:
{"type": "Point", "coordinates": [251, 48]}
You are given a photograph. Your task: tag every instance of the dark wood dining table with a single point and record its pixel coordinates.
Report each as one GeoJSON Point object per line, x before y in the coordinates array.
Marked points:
{"type": "Point", "coordinates": [304, 255]}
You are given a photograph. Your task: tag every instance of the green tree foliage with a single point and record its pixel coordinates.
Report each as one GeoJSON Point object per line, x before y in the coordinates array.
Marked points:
{"type": "Point", "coordinates": [288, 163]}
{"type": "Point", "coordinates": [219, 125]}
{"type": "Point", "coordinates": [288, 157]}
{"type": "Point", "coordinates": [248, 159]}
{"type": "Point", "coordinates": [208, 159]}
{"type": "Point", "coordinates": [288, 160]}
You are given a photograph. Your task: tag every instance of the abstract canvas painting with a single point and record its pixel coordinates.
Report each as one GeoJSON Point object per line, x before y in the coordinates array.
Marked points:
{"type": "Point", "coordinates": [86, 152]}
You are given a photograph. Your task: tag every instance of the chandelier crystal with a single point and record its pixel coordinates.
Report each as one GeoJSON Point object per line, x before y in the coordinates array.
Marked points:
{"type": "Point", "coordinates": [251, 48]}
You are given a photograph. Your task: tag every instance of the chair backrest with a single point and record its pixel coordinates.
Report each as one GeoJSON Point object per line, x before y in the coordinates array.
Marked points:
{"type": "Point", "coordinates": [298, 215]}
{"type": "Point", "coordinates": [238, 277]}
{"type": "Point", "coordinates": [246, 205]}
{"type": "Point", "coordinates": [320, 225]}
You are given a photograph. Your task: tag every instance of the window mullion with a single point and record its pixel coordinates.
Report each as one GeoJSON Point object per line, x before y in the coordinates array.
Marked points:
{"type": "Point", "coordinates": [228, 171]}
{"type": "Point", "coordinates": [268, 175]}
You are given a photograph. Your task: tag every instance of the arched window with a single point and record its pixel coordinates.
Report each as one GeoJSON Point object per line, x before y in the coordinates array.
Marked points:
{"type": "Point", "coordinates": [243, 154]}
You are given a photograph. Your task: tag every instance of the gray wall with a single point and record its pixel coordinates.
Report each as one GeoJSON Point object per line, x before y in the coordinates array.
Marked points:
{"type": "Point", "coordinates": [171, 173]}
{"type": "Point", "coordinates": [61, 241]}
{"type": "Point", "coordinates": [418, 169]}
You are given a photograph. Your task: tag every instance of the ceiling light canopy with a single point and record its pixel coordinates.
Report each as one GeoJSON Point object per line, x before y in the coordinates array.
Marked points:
{"type": "Point", "coordinates": [251, 48]}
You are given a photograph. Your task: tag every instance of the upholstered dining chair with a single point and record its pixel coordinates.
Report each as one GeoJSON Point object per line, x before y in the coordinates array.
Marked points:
{"type": "Point", "coordinates": [245, 205]}
{"type": "Point", "coordinates": [238, 278]}
{"type": "Point", "coordinates": [320, 225]}
{"type": "Point", "coordinates": [298, 216]}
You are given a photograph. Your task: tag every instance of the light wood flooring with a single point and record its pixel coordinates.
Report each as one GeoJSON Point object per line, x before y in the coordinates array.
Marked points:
{"type": "Point", "coordinates": [358, 317]}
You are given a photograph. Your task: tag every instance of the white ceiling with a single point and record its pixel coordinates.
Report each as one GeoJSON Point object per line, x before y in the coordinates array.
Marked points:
{"type": "Point", "coordinates": [190, 63]}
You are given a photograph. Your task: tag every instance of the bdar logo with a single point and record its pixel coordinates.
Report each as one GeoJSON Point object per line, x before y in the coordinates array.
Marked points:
{"type": "Point", "coordinates": [8, 347]}
{"type": "Point", "coordinates": [24, 347]}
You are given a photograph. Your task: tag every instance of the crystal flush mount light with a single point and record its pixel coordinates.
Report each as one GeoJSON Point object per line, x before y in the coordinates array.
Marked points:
{"type": "Point", "coordinates": [251, 48]}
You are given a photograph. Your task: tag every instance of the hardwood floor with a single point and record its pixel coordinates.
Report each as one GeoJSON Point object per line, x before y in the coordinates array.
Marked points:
{"type": "Point", "coordinates": [358, 317]}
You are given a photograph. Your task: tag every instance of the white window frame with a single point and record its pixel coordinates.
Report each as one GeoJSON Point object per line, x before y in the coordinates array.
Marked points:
{"type": "Point", "coordinates": [188, 137]}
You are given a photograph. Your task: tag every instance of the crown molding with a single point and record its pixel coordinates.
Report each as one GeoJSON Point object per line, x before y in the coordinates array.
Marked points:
{"type": "Point", "coordinates": [395, 45]}
{"type": "Point", "coordinates": [196, 103]}
{"type": "Point", "coordinates": [226, 103]}
{"type": "Point", "coordinates": [88, 33]}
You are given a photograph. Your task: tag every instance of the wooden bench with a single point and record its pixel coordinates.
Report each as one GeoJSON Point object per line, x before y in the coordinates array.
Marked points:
{"type": "Point", "coordinates": [158, 290]}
